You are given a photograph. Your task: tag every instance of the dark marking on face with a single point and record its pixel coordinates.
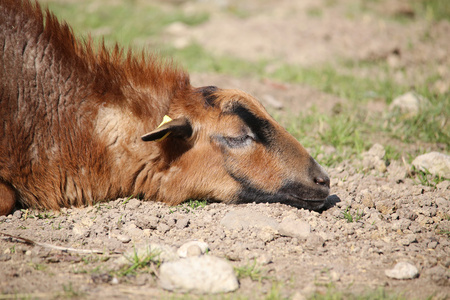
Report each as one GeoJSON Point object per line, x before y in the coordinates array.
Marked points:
{"type": "Point", "coordinates": [262, 128]}
{"type": "Point", "coordinates": [288, 193]}
{"type": "Point", "coordinates": [208, 94]}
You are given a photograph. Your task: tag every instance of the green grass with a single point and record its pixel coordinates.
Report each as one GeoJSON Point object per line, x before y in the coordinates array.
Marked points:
{"type": "Point", "coordinates": [444, 232]}
{"type": "Point", "coordinates": [329, 80]}
{"type": "Point", "coordinates": [434, 10]}
{"type": "Point", "coordinates": [43, 215]}
{"type": "Point", "coordinates": [343, 132]}
{"type": "Point", "coordinates": [250, 270]}
{"type": "Point", "coordinates": [189, 206]}
{"type": "Point", "coordinates": [139, 262]}
{"type": "Point", "coordinates": [430, 10]}
{"type": "Point", "coordinates": [378, 294]}
{"type": "Point", "coordinates": [128, 23]}
{"type": "Point", "coordinates": [426, 178]}
{"type": "Point", "coordinates": [70, 292]}
{"type": "Point", "coordinates": [127, 199]}
{"type": "Point", "coordinates": [347, 215]}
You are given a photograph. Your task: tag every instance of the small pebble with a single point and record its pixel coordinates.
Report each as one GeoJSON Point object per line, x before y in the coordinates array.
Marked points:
{"type": "Point", "coordinates": [124, 238]}
{"type": "Point", "coordinates": [17, 214]}
{"type": "Point", "coordinates": [193, 248]}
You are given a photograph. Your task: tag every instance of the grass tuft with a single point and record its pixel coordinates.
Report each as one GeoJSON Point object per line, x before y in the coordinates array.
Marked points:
{"type": "Point", "coordinates": [189, 206]}
{"type": "Point", "coordinates": [250, 270]}
{"type": "Point", "coordinates": [346, 214]}
{"type": "Point", "coordinates": [425, 178]}
{"type": "Point", "coordinates": [140, 262]}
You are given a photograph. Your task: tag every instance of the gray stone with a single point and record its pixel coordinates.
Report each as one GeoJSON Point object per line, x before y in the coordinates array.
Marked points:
{"type": "Point", "coordinates": [147, 222]}
{"type": "Point", "coordinates": [443, 203]}
{"type": "Point", "coordinates": [432, 245]}
{"type": "Point", "coordinates": [267, 234]}
{"type": "Point", "coordinates": [409, 103]}
{"type": "Point", "coordinates": [201, 275]}
{"type": "Point", "coordinates": [439, 275]}
{"type": "Point", "coordinates": [407, 240]}
{"type": "Point", "coordinates": [5, 257]}
{"type": "Point", "coordinates": [299, 296]}
{"type": "Point", "coordinates": [132, 230]}
{"type": "Point", "coordinates": [434, 162]}
{"type": "Point", "coordinates": [373, 159]}
{"type": "Point", "coordinates": [294, 228]}
{"type": "Point", "coordinates": [17, 214]}
{"type": "Point", "coordinates": [182, 223]}
{"type": "Point", "coordinates": [386, 207]}
{"type": "Point", "coordinates": [402, 270]}
{"type": "Point", "coordinates": [246, 218]}
{"type": "Point", "coordinates": [377, 150]}
{"type": "Point", "coordinates": [397, 171]}
{"type": "Point", "coordinates": [444, 185]}
{"type": "Point", "coordinates": [314, 242]}
{"type": "Point", "coordinates": [401, 224]}
{"type": "Point", "coordinates": [133, 203]}
{"type": "Point", "coordinates": [163, 228]}
{"type": "Point", "coordinates": [82, 228]}
{"type": "Point", "coordinates": [367, 198]}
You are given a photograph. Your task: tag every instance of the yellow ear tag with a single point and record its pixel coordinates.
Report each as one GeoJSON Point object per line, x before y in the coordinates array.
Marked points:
{"type": "Point", "coordinates": [166, 119]}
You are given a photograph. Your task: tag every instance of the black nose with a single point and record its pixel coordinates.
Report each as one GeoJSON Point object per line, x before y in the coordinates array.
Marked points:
{"type": "Point", "coordinates": [322, 180]}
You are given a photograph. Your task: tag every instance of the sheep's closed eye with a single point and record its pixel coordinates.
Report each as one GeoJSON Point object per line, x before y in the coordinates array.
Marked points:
{"type": "Point", "coordinates": [236, 142]}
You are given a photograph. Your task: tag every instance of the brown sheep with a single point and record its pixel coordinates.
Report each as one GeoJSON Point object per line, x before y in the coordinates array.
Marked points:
{"type": "Point", "coordinates": [74, 122]}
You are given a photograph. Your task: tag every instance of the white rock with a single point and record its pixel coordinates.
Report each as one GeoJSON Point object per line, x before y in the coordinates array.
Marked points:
{"type": "Point", "coordinates": [271, 101]}
{"type": "Point", "coordinates": [17, 214]}
{"type": "Point", "coordinates": [176, 28]}
{"type": "Point", "coordinates": [436, 163]}
{"type": "Point", "coordinates": [246, 218]}
{"type": "Point", "coordinates": [202, 275]}
{"type": "Point", "coordinates": [192, 248]}
{"type": "Point", "coordinates": [377, 150]}
{"type": "Point", "coordinates": [299, 296]}
{"type": "Point", "coordinates": [373, 159]}
{"type": "Point", "coordinates": [267, 235]}
{"type": "Point", "coordinates": [124, 238]}
{"type": "Point", "coordinates": [79, 229]}
{"type": "Point", "coordinates": [87, 222]}
{"type": "Point", "coordinates": [402, 270]}
{"type": "Point", "coordinates": [444, 185]}
{"type": "Point", "coordinates": [294, 228]}
{"type": "Point", "coordinates": [409, 103]}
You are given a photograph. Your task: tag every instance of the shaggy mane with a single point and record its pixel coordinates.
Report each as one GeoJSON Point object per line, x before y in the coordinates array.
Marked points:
{"type": "Point", "coordinates": [111, 67]}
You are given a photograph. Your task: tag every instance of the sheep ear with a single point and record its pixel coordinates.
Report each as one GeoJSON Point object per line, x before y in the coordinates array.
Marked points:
{"type": "Point", "coordinates": [180, 128]}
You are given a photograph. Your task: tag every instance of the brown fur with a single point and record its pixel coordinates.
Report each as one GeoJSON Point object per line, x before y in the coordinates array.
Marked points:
{"type": "Point", "coordinates": [73, 120]}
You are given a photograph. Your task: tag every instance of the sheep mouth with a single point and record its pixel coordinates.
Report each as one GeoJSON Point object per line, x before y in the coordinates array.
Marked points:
{"type": "Point", "coordinates": [313, 204]}
{"type": "Point", "coordinates": [292, 193]}
{"type": "Point", "coordinates": [308, 198]}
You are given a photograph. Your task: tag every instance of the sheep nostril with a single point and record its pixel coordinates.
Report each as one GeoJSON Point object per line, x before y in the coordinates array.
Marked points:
{"type": "Point", "coordinates": [325, 181]}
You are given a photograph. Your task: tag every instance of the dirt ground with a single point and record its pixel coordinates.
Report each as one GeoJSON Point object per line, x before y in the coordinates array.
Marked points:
{"type": "Point", "coordinates": [395, 218]}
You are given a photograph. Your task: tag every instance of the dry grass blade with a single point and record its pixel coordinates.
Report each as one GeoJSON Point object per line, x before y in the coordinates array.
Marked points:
{"type": "Point", "coordinates": [63, 249]}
